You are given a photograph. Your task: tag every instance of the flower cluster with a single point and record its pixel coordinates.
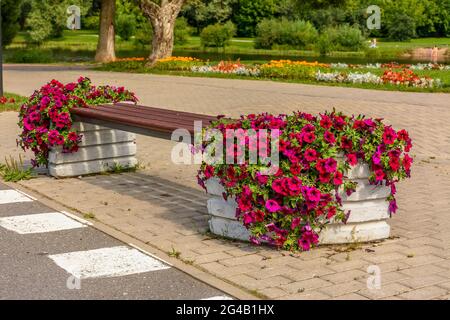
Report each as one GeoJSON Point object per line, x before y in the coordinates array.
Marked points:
{"type": "Point", "coordinates": [351, 77]}
{"type": "Point", "coordinates": [407, 77]}
{"type": "Point", "coordinates": [5, 100]}
{"type": "Point", "coordinates": [129, 59]}
{"type": "Point", "coordinates": [290, 208]}
{"type": "Point", "coordinates": [45, 118]}
{"type": "Point", "coordinates": [178, 59]}
{"type": "Point", "coordinates": [228, 67]}
{"type": "Point", "coordinates": [288, 63]}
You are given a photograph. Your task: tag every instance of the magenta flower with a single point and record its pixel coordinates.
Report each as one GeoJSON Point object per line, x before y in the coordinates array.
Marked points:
{"type": "Point", "coordinates": [272, 206]}
{"type": "Point", "coordinates": [330, 165]}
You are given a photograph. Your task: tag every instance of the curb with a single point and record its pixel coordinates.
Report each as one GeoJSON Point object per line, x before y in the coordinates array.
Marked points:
{"type": "Point", "coordinates": [195, 272]}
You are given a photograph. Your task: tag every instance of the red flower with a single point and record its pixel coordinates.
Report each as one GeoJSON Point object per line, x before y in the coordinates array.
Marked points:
{"type": "Point", "coordinates": [326, 122]}
{"type": "Point", "coordinates": [389, 135]}
{"type": "Point", "coordinates": [310, 155]}
{"type": "Point", "coordinates": [329, 137]}
{"type": "Point", "coordinates": [337, 180]}
{"type": "Point", "coordinates": [346, 143]}
{"type": "Point", "coordinates": [379, 175]}
{"type": "Point", "coordinates": [352, 159]}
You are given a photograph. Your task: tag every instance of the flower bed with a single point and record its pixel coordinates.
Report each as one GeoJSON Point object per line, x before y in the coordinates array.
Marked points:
{"type": "Point", "coordinates": [407, 77]}
{"type": "Point", "coordinates": [228, 67]}
{"type": "Point", "coordinates": [351, 77]}
{"type": "Point", "coordinates": [290, 208]}
{"type": "Point", "coordinates": [46, 121]}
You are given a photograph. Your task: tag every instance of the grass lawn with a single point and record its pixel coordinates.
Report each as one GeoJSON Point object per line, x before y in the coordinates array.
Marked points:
{"type": "Point", "coordinates": [80, 46]}
{"type": "Point", "coordinates": [12, 106]}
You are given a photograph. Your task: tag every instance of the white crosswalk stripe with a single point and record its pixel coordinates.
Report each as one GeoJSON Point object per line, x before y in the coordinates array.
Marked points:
{"type": "Point", "coordinates": [219, 298]}
{"type": "Point", "coordinates": [39, 223]}
{"type": "Point", "coordinates": [107, 262]}
{"type": "Point", "coordinates": [13, 196]}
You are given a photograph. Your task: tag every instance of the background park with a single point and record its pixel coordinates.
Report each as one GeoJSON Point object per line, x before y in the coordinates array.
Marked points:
{"type": "Point", "coordinates": [360, 87]}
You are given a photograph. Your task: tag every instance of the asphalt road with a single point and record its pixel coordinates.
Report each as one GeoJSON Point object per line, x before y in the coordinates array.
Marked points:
{"type": "Point", "coordinates": [46, 254]}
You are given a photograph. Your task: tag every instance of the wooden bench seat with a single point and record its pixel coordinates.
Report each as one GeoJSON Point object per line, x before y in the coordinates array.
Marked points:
{"type": "Point", "coordinates": [140, 119]}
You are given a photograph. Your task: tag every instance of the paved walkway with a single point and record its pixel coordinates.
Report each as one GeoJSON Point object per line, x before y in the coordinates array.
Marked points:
{"type": "Point", "coordinates": [162, 206]}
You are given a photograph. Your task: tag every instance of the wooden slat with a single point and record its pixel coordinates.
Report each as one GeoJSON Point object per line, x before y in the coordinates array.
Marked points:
{"type": "Point", "coordinates": [175, 121]}
{"type": "Point", "coordinates": [145, 120]}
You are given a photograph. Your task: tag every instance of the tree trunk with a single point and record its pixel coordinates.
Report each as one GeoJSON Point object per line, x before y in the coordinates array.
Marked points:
{"type": "Point", "coordinates": [162, 18]}
{"type": "Point", "coordinates": [106, 39]}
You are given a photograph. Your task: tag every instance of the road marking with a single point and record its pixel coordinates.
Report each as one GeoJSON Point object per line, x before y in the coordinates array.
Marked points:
{"type": "Point", "coordinates": [149, 254]}
{"type": "Point", "coordinates": [74, 217]}
{"type": "Point", "coordinates": [39, 223]}
{"type": "Point", "coordinates": [13, 196]}
{"type": "Point", "coordinates": [107, 262]}
{"type": "Point", "coordinates": [219, 298]}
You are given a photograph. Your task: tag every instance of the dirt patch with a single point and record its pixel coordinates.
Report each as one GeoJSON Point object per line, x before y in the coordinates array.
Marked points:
{"type": "Point", "coordinates": [427, 54]}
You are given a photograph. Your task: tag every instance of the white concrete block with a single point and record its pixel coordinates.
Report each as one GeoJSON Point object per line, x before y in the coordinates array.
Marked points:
{"type": "Point", "coordinates": [366, 191]}
{"type": "Point", "coordinates": [214, 187]}
{"type": "Point", "coordinates": [354, 232]}
{"type": "Point", "coordinates": [220, 208]}
{"type": "Point", "coordinates": [92, 138]}
{"type": "Point", "coordinates": [228, 228]}
{"type": "Point", "coordinates": [88, 153]}
{"type": "Point", "coordinates": [360, 171]}
{"type": "Point", "coordinates": [371, 210]}
{"type": "Point", "coordinates": [89, 167]}
{"type": "Point", "coordinates": [84, 126]}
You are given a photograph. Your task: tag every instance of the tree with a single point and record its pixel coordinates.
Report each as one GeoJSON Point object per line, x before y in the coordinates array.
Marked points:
{"type": "Point", "coordinates": [162, 15]}
{"type": "Point", "coordinates": [10, 19]}
{"type": "Point", "coordinates": [250, 12]}
{"type": "Point", "coordinates": [106, 40]}
{"type": "Point", "coordinates": [201, 13]}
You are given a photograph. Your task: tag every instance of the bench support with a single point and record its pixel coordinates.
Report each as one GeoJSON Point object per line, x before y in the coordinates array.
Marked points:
{"type": "Point", "coordinates": [101, 149]}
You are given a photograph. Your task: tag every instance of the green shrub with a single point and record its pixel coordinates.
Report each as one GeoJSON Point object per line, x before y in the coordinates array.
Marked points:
{"type": "Point", "coordinates": [217, 35]}
{"type": "Point", "coordinates": [341, 38]}
{"type": "Point", "coordinates": [349, 38]}
{"type": "Point", "coordinates": [91, 22]}
{"type": "Point", "coordinates": [401, 27]}
{"type": "Point", "coordinates": [182, 31]}
{"type": "Point", "coordinates": [40, 28]}
{"type": "Point", "coordinates": [30, 56]}
{"type": "Point", "coordinates": [297, 34]}
{"type": "Point", "coordinates": [126, 26]}
{"type": "Point", "coordinates": [324, 44]}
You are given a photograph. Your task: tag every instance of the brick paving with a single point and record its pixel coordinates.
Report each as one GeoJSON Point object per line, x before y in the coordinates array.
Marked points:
{"type": "Point", "coordinates": [162, 206]}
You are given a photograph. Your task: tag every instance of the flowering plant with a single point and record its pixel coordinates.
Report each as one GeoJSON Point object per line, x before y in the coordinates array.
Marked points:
{"type": "Point", "coordinates": [45, 118]}
{"type": "Point", "coordinates": [351, 77]}
{"type": "Point", "coordinates": [5, 100]}
{"type": "Point", "coordinates": [228, 67]}
{"type": "Point", "coordinates": [409, 78]}
{"type": "Point", "coordinates": [290, 208]}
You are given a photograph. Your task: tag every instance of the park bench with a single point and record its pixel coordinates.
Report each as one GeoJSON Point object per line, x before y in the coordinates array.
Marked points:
{"type": "Point", "coordinates": [109, 136]}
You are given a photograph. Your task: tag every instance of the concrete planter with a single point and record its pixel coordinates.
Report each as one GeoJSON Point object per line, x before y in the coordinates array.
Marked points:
{"type": "Point", "coordinates": [367, 221]}
{"type": "Point", "coordinates": [100, 150]}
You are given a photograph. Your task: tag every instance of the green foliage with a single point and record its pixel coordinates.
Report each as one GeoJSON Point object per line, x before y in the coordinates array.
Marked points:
{"type": "Point", "coordinates": [10, 19]}
{"type": "Point", "coordinates": [12, 170]}
{"type": "Point", "coordinates": [125, 26]}
{"type": "Point", "coordinates": [91, 23]}
{"type": "Point", "coordinates": [201, 13]}
{"type": "Point", "coordinates": [217, 35]}
{"type": "Point", "coordinates": [182, 31]}
{"type": "Point", "coordinates": [48, 18]}
{"type": "Point", "coordinates": [144, 34]}
{"type": "Point", "coordinates": [297, 34]}
{"type": "Point", "coordinates": [401, 27]}
{"type": "Point", "coordinates": [250, 12]}
{"type": "Point", "coordinates": [348, 38]}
